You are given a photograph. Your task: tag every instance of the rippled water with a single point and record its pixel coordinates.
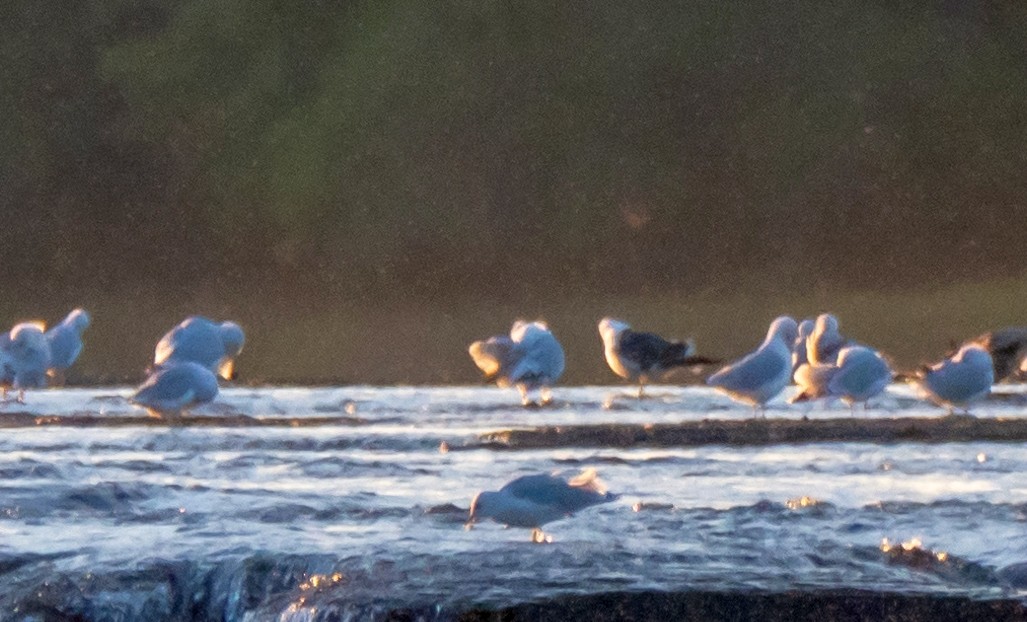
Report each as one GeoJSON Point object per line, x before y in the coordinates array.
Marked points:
{"type": "Point", "coordinates": [354, 509]}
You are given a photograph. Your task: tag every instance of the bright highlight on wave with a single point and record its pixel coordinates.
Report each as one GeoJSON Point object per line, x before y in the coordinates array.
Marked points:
{"type": "Point", "coordinates": [912, 552]}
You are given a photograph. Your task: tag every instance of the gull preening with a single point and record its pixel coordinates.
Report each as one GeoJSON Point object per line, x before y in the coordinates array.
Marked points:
{"type": "Point", "coordinates": [203, 341]}
{"type": "Point", "coordinates": [530, 359]}
{"type": "Point", "coordinates": [65, 341]}
{"type": "Point", "coordinates": [176, 387]}
{"type": "Point", "coordinates": [858, 375]}
{"type": "Point", "coordinates": [825, 342]}
{"type": "Point", "coordinates": [534, 500]}
{"type": "Point", "coordinates": [959, 381]}
{"type": "Point", "coordinates": [643, 357]}
{"type": "Point", "coordinates": [762, 374]}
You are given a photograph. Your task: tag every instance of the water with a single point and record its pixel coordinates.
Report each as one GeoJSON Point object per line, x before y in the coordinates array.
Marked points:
{"type": "Point", "coordinates": [352, 509]}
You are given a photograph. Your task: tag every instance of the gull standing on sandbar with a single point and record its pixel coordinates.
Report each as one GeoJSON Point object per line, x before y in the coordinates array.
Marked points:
{"type": "Point", "coordinates": [643, 357]}
{"type": "Point", "coordinates": [859, 375]}
{"type": "Point", "coordinates": [761, 375]}
{"type": "Point", "coordinates": [534, 500]}
{"type": "Point", "coordinates": [530, 359]}
{"type": "Point", "coordinates": [201, 340]}
{"type": "Point", "coordinates": [959, 381]}
{"type": "Point", "coordinates": [176, 387]}
{"type": "Point", "coordinates": [65, 341]}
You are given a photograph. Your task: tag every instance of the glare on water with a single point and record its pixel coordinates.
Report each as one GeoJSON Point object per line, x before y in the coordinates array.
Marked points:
{"type": "Point", "coordinates": [373, 509]}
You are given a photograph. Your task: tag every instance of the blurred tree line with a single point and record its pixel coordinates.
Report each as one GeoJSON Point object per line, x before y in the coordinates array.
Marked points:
{"type": "Point", "coordinates": [440, 148]}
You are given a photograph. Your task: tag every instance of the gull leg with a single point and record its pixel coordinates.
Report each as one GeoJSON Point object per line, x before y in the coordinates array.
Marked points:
{"type": "Point", "coordinates": [546, 396]}
{"type": "Point", "coordinates": [21, 396]}
{"type": "Point", "coordinates": [524, 395]}
{"type": "Point", "coordinates": [641, 390]}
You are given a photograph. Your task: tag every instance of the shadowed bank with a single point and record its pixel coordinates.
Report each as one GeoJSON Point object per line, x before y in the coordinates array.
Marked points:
{"type": "Point", "coordinates": [326, 171]}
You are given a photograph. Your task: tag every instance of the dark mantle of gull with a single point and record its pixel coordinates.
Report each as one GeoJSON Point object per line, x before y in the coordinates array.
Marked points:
{"type": "Point", "coordinates": [349, 503]}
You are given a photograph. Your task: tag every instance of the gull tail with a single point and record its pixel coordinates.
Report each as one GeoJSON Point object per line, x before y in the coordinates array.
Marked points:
{"type": "Point", "coordinates": [680, 354]}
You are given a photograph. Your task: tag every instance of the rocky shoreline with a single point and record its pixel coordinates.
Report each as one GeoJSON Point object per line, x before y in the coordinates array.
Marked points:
{"type": "Point", "coordinates": [841, 605]}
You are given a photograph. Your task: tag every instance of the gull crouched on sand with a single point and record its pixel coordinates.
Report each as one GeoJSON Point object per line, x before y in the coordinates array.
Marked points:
{"type": "Point", "coordinates": [203, 341]}
{"type": "Point", "coordinates": [534, 500]}
{"type": "Point", "coordinates": [530, 359]}
{"type": "Point", "coordinates": [643, 357]}
{"type": "Point", "coordinates": [762, 374]}
{"type": "Point", "coordinates": [175, 388]}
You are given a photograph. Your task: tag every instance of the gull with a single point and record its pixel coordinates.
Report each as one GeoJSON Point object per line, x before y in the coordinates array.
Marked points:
{"type": "Point", "coordinates": [859, 374]}
{"type": "Point", "coordinates": [1008, 349]}
{"type": "Point", "coordinates": [176, 387]}
{"type": "Point", "coordinates": [761, 375]}
{"type": "Point", "coordinates": [534, 500]}
{"type": "Point", "coordinates": [643, 357]}
{"type": "Point", "coordinates": [28, 356]}
{"type": "Point", "coordinates": [6, 366]}
{"type": "Point", "coordinates": [201, 340]}
{"type": "Point", "coordinates": [65, 340]}
{"type": "Point", "coordinates": [862, 374]}
{"type": "Point", "coordinates": [825, 342]}
{"type": "Point", "coordinates": [813, 380]}
{"type": "Point", "coordinates": [799, 348]}
{"type": "Point", "coordinates": [960, 380]}
{"type": "Point", "coordinates": [530, 359]}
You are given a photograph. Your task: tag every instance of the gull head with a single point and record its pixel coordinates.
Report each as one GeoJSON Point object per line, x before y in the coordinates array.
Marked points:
{"type": "Point", "coordinates": [481, 507]}
{"type": "Point", "coordinates": [973, 354]}
{"type": "Point", "coordinates": [525, 331]}
{"type": "Point", "coordinates": [827, 324]}
{"type": "Point", "coordinates": [28, 336]}
{"type": "Point", "coordinates": [610, 328]}
{"type": "Point", "coordinates": [232, 337]}
{"type": "Point", "coordinates": [785, 329]}
{"type": "Point", "coordinates": [79, 319]}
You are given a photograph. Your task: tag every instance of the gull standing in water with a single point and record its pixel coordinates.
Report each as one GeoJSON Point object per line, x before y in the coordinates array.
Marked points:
{"type": "Point", "coordinates": [201, 340]}
{"type": "Point", "coordinates": [534, 500]}
{"type": "Point", "coordinates": [65, 340]}
{"type": "Point", "coordinates": [761, 375]}
{"type": "Point", "coordinates": [176, 387]}
{"type": "Point", "coordinates": [959, 381]}
{"type": "Point", "coordinates": [530, 359]}
{"type": "Point", "coordinates": [643, 357]}
{"type": "Point", "coordinates": [28, 357]}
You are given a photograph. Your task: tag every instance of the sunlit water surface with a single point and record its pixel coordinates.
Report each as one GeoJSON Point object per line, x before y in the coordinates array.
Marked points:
{"type": "Point", "coordinates": [138, 522]}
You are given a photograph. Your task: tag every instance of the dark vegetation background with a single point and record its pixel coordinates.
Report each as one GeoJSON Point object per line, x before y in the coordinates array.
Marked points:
{"type": "Point", "coordinates": [368, 186]}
